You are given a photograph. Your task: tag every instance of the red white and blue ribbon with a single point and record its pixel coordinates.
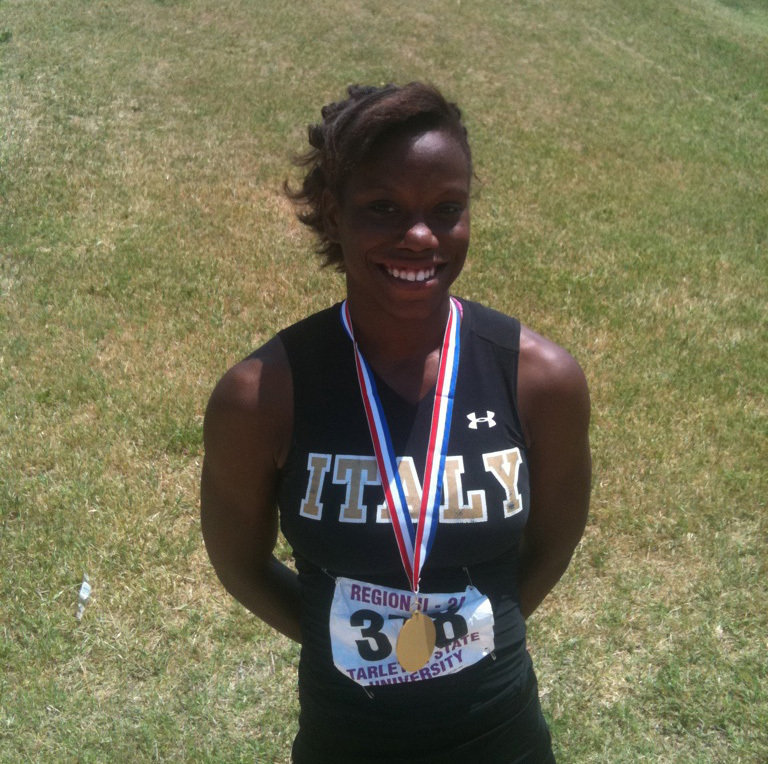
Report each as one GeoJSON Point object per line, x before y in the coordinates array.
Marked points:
{"type": "Point", "coordinates": [413, 543]}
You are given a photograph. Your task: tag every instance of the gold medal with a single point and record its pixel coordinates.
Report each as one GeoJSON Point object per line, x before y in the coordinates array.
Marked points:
{"type": "Point", "coordinates": [416, 641]}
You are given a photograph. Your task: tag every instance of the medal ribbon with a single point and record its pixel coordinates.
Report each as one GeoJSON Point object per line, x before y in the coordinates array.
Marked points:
{"type": "Point", "coordinates": [413, 544]}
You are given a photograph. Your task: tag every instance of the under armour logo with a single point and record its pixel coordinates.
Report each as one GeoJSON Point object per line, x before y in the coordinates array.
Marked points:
{"type": "Point", "coordinates": [474, 419]}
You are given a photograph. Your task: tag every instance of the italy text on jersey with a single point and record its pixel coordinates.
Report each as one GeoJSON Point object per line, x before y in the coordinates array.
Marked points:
{"type": "Point", "coordinates": [356, 472]}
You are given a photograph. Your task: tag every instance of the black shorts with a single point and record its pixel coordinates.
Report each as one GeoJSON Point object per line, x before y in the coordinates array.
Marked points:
{"type": "Point", "coordinates": [521, 738]}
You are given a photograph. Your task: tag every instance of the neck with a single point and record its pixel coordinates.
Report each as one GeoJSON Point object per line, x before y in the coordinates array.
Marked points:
{"type": "Point", "coordinates": [404, 352]}
{"type": "Point", "coordinates": [395, 338]}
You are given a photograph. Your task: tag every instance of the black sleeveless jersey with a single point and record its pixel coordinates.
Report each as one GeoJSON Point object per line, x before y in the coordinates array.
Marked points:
{"type": "Point", "coordinates": [332, 512]}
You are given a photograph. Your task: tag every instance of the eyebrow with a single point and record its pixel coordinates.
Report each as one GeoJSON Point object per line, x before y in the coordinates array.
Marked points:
{"type": "Point", "coordinates": [384, 188]}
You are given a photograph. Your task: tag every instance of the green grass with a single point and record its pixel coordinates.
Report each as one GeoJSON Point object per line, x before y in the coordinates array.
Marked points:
{"type": "Point", "coordinates": [145, 246]}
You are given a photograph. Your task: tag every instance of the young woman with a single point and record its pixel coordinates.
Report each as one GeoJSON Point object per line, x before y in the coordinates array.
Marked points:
{"type": "Point", "coordinates": [427, 459]}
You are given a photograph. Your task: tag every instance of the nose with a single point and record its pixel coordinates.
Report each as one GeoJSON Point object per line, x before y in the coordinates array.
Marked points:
{"type": "Point", "coordinates": [419, 237]}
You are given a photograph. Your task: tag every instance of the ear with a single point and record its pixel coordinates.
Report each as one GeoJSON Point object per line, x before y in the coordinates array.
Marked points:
{"type": "Point", "coordinates": [330, 212]}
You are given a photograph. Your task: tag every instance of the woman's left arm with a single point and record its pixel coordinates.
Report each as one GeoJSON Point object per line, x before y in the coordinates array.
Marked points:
{"type": "Point", "coordinates": [554, 406]}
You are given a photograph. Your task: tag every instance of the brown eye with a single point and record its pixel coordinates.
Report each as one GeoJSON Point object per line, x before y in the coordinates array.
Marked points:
{"type": "Point", "coordinates": [450, 209]}
{"type": "Point", "coordinates": [382, 207]}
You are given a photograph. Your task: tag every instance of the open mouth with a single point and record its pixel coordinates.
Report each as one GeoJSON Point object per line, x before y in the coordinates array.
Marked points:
{"type": "Point", "coordinates": [418, 275]}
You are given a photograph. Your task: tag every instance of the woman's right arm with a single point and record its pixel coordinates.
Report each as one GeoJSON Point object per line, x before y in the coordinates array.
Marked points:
{"type": "Point", "coordinates": [246, 433]}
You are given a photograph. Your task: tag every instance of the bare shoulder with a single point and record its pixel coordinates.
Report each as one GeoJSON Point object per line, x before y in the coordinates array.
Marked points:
{"type": "Point", "coordinates": [261, 374]}
{"type": "Point", "coordinates": [551, 384]}
{"type": "Point", "coordinates": [251, 406]}
{"type": "Point", "coordinates": [548, 366]}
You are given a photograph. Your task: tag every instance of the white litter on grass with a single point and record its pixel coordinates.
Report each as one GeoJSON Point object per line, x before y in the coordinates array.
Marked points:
{"type": "Point", "coordinates": [83, 596]}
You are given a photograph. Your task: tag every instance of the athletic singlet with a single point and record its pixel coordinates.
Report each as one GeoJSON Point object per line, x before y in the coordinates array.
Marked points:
{"type": "Point", "coordinates": [332, 513]}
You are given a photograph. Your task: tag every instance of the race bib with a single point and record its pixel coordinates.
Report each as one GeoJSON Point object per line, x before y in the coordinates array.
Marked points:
{"type": "Point", "coordinates": [366, 619]}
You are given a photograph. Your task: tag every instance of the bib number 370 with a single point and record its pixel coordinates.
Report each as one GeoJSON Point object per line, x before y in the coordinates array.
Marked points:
{"type": "Point", "coordinates": [366, 619]}
{"type": "Point", "coordinates": [374, 644]}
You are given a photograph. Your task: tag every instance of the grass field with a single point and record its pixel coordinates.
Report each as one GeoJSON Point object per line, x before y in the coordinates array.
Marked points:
{"type": "Point", "coordinates": [621, 209]}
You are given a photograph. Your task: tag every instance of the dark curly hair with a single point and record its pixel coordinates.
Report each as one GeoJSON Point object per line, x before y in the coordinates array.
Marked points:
{"type": "Point", "coordinates": [350, 132]}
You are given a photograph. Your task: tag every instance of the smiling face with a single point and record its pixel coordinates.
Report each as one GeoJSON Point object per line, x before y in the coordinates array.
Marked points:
{"type": "Point", "coordinates": [403, 225]}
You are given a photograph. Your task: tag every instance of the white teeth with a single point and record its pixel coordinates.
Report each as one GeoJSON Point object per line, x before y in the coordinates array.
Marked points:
{"type": "Point", "coordinates": [409, 275]}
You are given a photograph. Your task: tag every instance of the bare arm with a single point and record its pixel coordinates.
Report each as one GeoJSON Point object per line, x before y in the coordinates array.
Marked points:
{"type": "Point", "coordinates": [247, 430]}
{"type": "Point", "coordinates": [554, 404]}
